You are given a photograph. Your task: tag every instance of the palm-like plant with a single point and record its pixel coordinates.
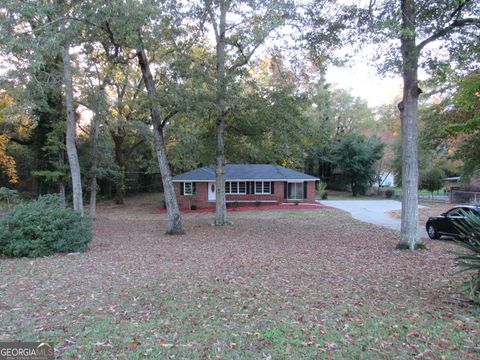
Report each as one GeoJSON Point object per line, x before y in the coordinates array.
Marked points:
{"type": "Point", "coordinates": [470, 261]}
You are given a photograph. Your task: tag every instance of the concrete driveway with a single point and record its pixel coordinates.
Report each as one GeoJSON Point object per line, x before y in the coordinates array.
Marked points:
{"type": "Point", "coordinates": [372, 211]}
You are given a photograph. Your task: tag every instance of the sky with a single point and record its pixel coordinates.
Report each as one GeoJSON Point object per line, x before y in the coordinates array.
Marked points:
{"type": "Point", "coordinates": [361, 78]}
{"type": "Point", "coordinates": [363, 82]}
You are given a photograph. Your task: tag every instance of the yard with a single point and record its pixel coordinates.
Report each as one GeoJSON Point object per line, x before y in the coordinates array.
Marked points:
{"type": "Point", "coordinates": [275, 285]}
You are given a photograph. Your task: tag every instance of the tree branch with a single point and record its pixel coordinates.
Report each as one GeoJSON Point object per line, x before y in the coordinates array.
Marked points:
{"type": "Point", "coordinates": [20, 141]}
{"type": "Point", "coordinates": [245, 58]}
{"type": "Point", "coordinates": [138, 89]}
{"type": "Point", "coordinates": [447, 30]}
{"type": "Point", "coordinates": [84, 130]}
{"type": "Point", "coordinates": [132, 149]}
{"type": "Point", "coordinates": [111, 36]}
{"type": "Point", "coordinates": [168, 117]}
{"type": "Point", "coordinates": [214, 21]}
{"type": "Point", "coordinates": [458, 10]}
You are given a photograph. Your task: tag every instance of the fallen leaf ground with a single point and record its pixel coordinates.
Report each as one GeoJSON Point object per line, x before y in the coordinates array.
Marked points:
{"type": "Point", "coordinates": [274, 285]}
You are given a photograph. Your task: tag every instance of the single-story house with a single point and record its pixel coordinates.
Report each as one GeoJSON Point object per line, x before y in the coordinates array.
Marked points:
{"type": "Point", "coordinates": [245, 183]}
{"type": "Point", "coordinates": [452, 182]}
{"type": "Point", "coordinates": [455, 183]}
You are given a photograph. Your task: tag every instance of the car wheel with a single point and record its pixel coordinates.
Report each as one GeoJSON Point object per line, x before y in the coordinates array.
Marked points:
{"type": "Point", "coordinates": [432, 232]}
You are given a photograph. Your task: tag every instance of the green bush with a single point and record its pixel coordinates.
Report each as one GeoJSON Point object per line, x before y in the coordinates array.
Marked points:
{"type": "Point", "coordinates": [8, 198]}
{"type": "Point", "coordinates": [470, 261]}
{"type": "Point", "coordinates": [389, 193]}
{"type": "Point", "coordinates": [321, 189]}
{"type": "Point", "coordinates": [43, 227]}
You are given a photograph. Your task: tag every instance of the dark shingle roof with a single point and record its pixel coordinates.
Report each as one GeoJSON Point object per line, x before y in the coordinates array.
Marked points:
{"type": "Point", "coordinates": [245, 172]}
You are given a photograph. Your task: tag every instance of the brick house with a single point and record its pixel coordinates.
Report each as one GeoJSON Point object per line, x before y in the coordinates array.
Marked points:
{"type": "Point", "coordinates": [245, 183]}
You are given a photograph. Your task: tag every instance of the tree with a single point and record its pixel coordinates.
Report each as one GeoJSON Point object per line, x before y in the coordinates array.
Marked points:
{"type": "Point", "coordinates": [50, 35]}
{"type": "Point", "coordinates": [419, 26]}
{"type": "Point", "coordinates": [350, 113]}
{"type": "Point", "coordinates": [433, 179]}
{"type": "Point", "coordinates": [96, 99]}
{"type": "Point", "coordinates": [127, 89]}
{"type": "Point", "coordinates": [7, 162]}
{"type": "Point", "coordinates": [70, 136]}
{"type": "Point", "coordinates": [175, 226]}
{"type": "Point", "coordinates": [356, 156]}
{"type": "Point", "coordinates": [135, 30]}
{"type": "Point", "coordinates": [34, 81]}
{"type": "Point", "coordinates": [454, 123]}
{"type": "Point", "coordinates": [236, 42]}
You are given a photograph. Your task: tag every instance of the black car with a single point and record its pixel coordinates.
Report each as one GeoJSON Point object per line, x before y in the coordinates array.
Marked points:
{"type": "Point", "coordinates": [445, 223]}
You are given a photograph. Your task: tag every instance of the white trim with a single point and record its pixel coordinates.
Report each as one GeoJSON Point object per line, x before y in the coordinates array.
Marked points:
{"type": "Point", "coordinates": [288, 190]}
{"type": "Point", "coordinates": [238, 188]}
{"type": "Point", "coordinates": [185, 189]}
{"type": "Point", "coordinates": [263, 188]}
{"type": "Point", "coordinates": [279, 180]}
{"type": "Point", "coordinates": [211, 195]}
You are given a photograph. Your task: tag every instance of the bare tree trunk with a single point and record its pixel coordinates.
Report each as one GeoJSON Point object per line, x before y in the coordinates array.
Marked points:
{"type": "Point", "coordinates": [175, 226]}
{"type": "Point", "coordinates": [409, 118]}
{"type": "Point", "coordinates": [220, 202]}
{"type": "Point", "coordinates": [119, 161]}
{"type": "Point", "coordinates": [70, 138]}
{"type": "Point", "coordinates": [94, 155]}
{"type": "Point", "coordinates": [61, 183]}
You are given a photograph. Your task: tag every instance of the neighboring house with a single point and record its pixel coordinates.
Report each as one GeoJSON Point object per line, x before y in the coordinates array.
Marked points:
{"type": "Point", "coordinates": [452, 182]}
{"type": "Point", "coordinates": [455, 183]}
{"type": "Point", "coordinates": [462, 193]}
{"type": "Point", "coordinates": [245, 183]}
{"type": "Point", "coordinates": [388, 179]}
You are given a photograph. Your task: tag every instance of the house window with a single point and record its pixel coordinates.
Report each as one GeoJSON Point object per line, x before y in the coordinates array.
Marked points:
{"type": "Point", "coordinates": [235, 187]}
{"type": "Point", "coordinates": [262, 187]}
{"type": "Point", "coordinates": [295, 191]}
{"type": "Point", "coordinates": [187, 188]}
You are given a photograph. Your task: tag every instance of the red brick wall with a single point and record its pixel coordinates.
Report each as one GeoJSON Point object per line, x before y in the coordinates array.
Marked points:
{"type": "Point", "coordinates": [310, 193]}
{"type": "Point", "coordinates": [200, 200]}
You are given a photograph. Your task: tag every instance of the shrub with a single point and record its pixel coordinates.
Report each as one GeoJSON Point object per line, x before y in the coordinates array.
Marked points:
{"type": "Point", "coordinates": [8, 198]}
{"type": "Point", "coordinates": [321, 189]}
{"type": "Point", "coordinates": [389, 193]}
{"type": "Point", "coordinates": [43, 227]}
{"type": "Point", "coordinates": [325, 196]}
{"type": "Point", "coordinates": [470, 261]}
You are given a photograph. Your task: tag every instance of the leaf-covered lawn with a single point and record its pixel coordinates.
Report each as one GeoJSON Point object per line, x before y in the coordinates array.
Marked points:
{"type": "Point", "coordinates": [275, 285]}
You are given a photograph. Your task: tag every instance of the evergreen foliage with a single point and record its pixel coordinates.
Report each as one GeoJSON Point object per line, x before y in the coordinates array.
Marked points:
{"type": "Point", "coordinates": [42, 228]}
{"type": "Point", "coordinates": [8, 198]}
{"type": "Point", "coordinates": [433, 179]}
{"type": "Point", "coordinates": [356, 155]}
{"type": "Point", "coordinates": [470, 261]}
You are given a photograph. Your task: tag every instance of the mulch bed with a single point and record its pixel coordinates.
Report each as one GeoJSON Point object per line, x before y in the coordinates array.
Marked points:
{"type": "Point", "coordinates": [249, 207]}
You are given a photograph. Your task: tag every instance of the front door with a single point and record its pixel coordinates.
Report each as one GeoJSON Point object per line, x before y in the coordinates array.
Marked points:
{"type": "Point", "coordinates": [212, 191]}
